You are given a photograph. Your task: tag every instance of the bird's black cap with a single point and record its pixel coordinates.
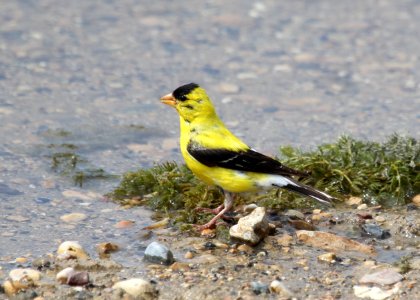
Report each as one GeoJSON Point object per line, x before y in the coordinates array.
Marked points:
{"type": "Point", "coordinates": [181, 92]}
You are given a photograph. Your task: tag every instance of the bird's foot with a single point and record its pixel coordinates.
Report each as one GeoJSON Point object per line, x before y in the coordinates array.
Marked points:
{"type": "Point", "coordinates": [213, 211]}
{"type": "Point", "coordinates": [209, 225]}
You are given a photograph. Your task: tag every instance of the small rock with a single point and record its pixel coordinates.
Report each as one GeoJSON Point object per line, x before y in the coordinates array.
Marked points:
{"type": "Point", "coordinates": [301, 225]}
{"type": "Point", "coordinates": [105, 249]}
{"type": "Point", "coordinates": [21, 260]}
{"type": "Point", "coordinates": [71, 250]}
{"type": "Point", "coordinates": [294, 213]}
{"type": "Point", "coordinates": [245, 248]}
{"type": "Point", "coordinates": [252, 228]}
{"type": "Point", "coordinates": [205, 259]}
{"type": "Point", "coordinates": [380, 219]}
{"type": "Point", "coordinates": [316, 211]}
{"type": "Point", "coordinates": [328, 257]}
{"type": "Point", "coordinates": [356, 201]}
{"type": "Point", "coordinates": [321, 216]}
{"type": "Point", "coordinates": [138, 288]}
{"type": "Point", "coordinates": [23, 278]}
{"type": "Point", "coordinates": [161, 224]}
{"type": "Point", "coordinates": [416, 200]}
{"type": "Point", "coordinates": [78, 278]}
{"type": "Point", "coordinates": [189, 255]}
{"type": "Point", "coordinates": [285, 240]}
{"type": "Point", "coordinates": [73, 217]}
{"type": "Point", "coordinates": [41, 263]}
{"type": "Point", "coordinates": [158, 253]}
{"type": "Point", "coordinates": [364, 215]}
{"type": "Point", "coordinates": [249, 208]}
{"type": "Point", "coordinates": [259, 288]}
{"type": "Point", "coordinates": [208, 233]}
{"type": "Point", "coordinates": [332, 242]}
{"type": "Point", "coordinates": [82, 196]}
{"type": "Point", "coordinates": [373, 230]}
{"type": "Point", "coordinates": [374, 292]}
{"type": "Point", "coordinates": [64, 275]}
{"type": "Point", "coordinates": [179, 267]}
{"type": "Point", "coordinates": [362, 206]}
{"type": "Point", "coordinates": [20, 279]}
{"type": "Point", "coordinates": [384, 277]}
{"type": "Point", "coordinates": [124, 224]}
{"type": "Point", "coordinates": [278, 287]}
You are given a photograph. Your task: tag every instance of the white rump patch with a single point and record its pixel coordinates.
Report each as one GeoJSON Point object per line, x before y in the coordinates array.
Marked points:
{"type": "Point", "coordinates": [275, 180]}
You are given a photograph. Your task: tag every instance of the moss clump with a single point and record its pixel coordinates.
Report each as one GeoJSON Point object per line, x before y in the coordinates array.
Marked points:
{"type": "Point", "coordinates": [386, 174]}
{"type": "Point", "coordinates": [167, 187]}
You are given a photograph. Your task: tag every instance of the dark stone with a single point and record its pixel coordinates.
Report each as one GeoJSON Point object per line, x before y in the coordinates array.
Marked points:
{"type": "Point", "coordinates": [375, 231]}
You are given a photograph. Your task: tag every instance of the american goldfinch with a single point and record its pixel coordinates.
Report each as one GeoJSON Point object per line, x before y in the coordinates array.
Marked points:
{"type": "Point", "coordinates": [218, 157]}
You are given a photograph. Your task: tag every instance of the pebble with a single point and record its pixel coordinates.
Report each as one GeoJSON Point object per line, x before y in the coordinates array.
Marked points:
{"type": "Point", "coordinates": [354, 201]}
{"type": "Point", "coordinates": [124, 224]}
{"type": "Point", "coordinates": [375, 231]}
{"type": "Point", "coordinates": [64, 275]}
{"type": "Point", "coordinates": [321, 216]}
{"type": "Point", "coordinates": [294, 213]}
{"type": "Point", "coordinates": [301, 224]}
{"type": "Point", "coordinates": [252, 228]}
{"type": "Point", "coordinates": [249, 208]}
{"type": "Point", "coordinates": [189, 255]}
{"type": "Point", "coordinates": [285, 240]}
{"type": "Point", "coordinates": [205, 259]}
{"type": "Point", "coordinates": [373, 292]}
{"type": "Point", "coordinates": [161, 224]}
{"type": "Point", "coordinates": [208, 233]}
{"type": "Point", "coordinates": [245, 248]}
{"type": "Point", "coordinates": [20, 279]}
{"type": "Point", "coordinates": [138, 288]}
{"type": "Point", "coordinates": [82, 196]}
{"type": "Point", "coordinates": [416, 200]}
{"type": "Point", "coordinates": [332, 242]}
{"type": "Point", "coordinates": [78, 278]}
{"type": "Point", "coordinates": [71, 250]}
{"type": "Point", "coordinates": [380, 219]}
{"type": "Point", "coordinates": [362, 206]}
{"type": "Point", "coordinates": [158, 253]}
{"type": "Point", "coordinates": [328, 257]}
{"type": "Point", "coordinates": [384, 277]}
{"type": "Point", "coordinates": [277, 287]}
{"type": "Point", "coordinates": [105, 249]}
{"type": "Point", "coordinates": [73, 217]}
{"type": "Point", "coordinates": [21, 260]}
{"type": "Point", "coordinates": [259, 288]}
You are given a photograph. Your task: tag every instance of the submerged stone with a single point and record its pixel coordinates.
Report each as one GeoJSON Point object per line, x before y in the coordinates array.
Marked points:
{"type": "Point", "coordinates": [373, 230]}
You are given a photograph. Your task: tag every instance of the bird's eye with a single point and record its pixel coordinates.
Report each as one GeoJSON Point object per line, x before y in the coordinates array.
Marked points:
{"type": "Point", "coordinates": [183, 98]}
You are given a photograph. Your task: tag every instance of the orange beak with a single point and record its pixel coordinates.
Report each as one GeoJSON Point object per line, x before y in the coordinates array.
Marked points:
{"type": "Point", "coordinates": [169, 100]}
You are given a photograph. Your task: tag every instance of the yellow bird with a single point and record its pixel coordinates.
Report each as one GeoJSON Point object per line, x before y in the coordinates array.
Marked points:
{"type": "Point", "coordinates": [218, 157]}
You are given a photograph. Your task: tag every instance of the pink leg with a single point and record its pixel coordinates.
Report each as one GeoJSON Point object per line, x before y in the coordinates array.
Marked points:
{"type": "Point", "coordinates": [213, 211]}
{"type": "Point", "coordinates": [227, 206]}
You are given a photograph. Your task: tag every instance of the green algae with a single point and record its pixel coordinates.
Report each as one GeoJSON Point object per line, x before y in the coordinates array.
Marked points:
{"type": "Point", "coordinates": [382, 173]}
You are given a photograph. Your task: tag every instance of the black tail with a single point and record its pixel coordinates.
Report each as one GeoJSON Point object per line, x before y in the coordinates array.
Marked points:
{"type": "Point", "coordinates": [308, 191]}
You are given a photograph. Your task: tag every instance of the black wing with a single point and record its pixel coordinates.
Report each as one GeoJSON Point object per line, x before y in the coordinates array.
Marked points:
{"type": "Point", "coordinates": [247, 161]}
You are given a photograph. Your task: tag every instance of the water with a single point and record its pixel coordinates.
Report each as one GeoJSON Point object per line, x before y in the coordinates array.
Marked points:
{"type": "Point", "coordinates": [83, 78]}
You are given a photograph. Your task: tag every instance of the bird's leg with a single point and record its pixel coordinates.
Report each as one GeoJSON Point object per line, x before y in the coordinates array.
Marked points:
{"type": "Point", "coordinates": [229, 198]}
{"type": "Point", "coordinates": [213, 211]}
